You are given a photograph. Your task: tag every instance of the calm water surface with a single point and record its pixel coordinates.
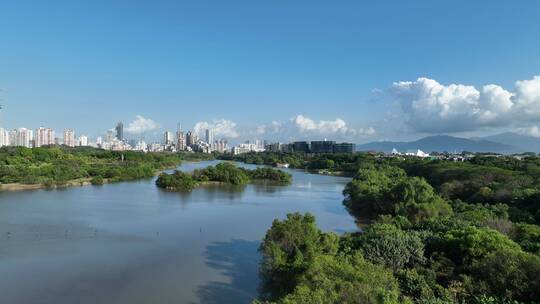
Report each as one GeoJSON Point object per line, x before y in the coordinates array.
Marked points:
{"type": "Point", "coordinates": [133, 243]}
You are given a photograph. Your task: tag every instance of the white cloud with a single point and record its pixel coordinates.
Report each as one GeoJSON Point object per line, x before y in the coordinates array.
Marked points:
{"type": "Point", "coordinates": [261, 129]}
{"type": "Point", "coordinates": [303, 127]}
{"type": "Point", "coordinates": [366, 132]}
{"type": "Point", "coordinates": [528, 96]}
{"type": "Point", "coordinates": [433, 107]}
{"type": "Point", "coordinates": [141, 125]}
{"type": "Point", "coordinates": [306, 124]}
{"type": "Point", "coordinates": [221, 127]}
{"type": "Point", "coordinates": [533, 131]}
{"type": "Point", "coordinates": [276, 126]}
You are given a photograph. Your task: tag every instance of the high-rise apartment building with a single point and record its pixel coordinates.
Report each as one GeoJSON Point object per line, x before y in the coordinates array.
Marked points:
{"type": "Point", "coordinates": [69, 138]}
{"type": "Point", "coordinates": [220, 145]}
{"type": "Point", "coordinates": [24, 137]}
{"type": "Point", "coordinates": [120, 131]}
{"type": "Point", "coordinates": [44, 137]}
{"type": "Point", "coordinates": [209, 136]}
{"type": "Point", "coordinates": [4, 137]}
{"type": "Point", "coordinates": [190, 138]}
{"type": "Point", "coordinates": [180, 141]}
{"type": "Point", "coordinates": [110, 136]}
{"type": "Point", "coordinates": [12, 137]}
{"type": "Point", "coordinates": [168, 138]}
{"type": "Point", "coordinates": [83, 141]}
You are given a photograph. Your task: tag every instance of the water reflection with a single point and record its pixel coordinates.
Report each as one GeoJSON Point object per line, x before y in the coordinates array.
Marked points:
{"type": "Point", "coordinates": [238, 261]}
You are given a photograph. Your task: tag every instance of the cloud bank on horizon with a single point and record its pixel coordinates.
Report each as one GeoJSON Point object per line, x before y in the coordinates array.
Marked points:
{"type": "Point", "coordinates": [426, 106]}
{"type": "Point", "coordinates": [221, 128]}
{"type": "Point", "coordinates": [296, 127]}
{"type": "Point", "coordinates": [141, 125]}
{"type": "Point", "coordinates": [431, 107]}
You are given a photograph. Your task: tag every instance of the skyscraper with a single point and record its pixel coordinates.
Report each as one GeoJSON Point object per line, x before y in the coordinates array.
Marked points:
{"type": "Point", "coordinates": [120, 131]}
{"type": "Point", "coordinates": [69, 138]}
{"type": "Point", "coordinates": [24, 138]}
{"type": "Point", "coordinates": [189, 138]}
{"type": "Point", "coordinates": [167, 138]}
{"type": "Point", "coordinates": [180, 141]}
{"type": "Point", "coordinates": [209, 136]}
{"type": "Point", "coordinates": [110, 136]}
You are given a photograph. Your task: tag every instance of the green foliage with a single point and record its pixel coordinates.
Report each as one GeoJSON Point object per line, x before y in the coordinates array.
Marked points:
{"type": "Point", "coordinates": [527, 236]}
{"type": "Point", "coordinates": [419, 263]}
{"type": "Point", "coordinates": [390, 246]}
{"type": "Point", "coordinates": [265, 173]}
{"type": "Point", "coordinates": [509, 274]}
{"type": "Point", "coordinates": [387, 190]}
{"type": "Point", "coordinates": [418, 200]}
{"type": "Point", "coordinates": [288, 249]}
{"type": "Point", "coordinates": [224, 172]}
{"type": "Point", "coordinates": [469, 244]}
{"type": "Point", "coordinates": [472, 238]}
{"type": "Point", "coordinates": [344, 279]}
{"type": "Point", "coordinates": [370, 190]}
{"type": "Point", "coordinates": [421, 286]}
{"type": "Point", "coordinates": [59, 165]}
{"type": "Point", "coordinates": [177, 181]}
{"type": "Point", "coordinates": [503, 179]}
{"type": "Point", "coordinates": [344, 163]}
{"type": "Point", "coordinates": [97, 180]}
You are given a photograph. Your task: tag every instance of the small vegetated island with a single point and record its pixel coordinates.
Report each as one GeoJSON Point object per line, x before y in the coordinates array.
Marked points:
{"type": "Point", "coordinates": [226, 173]}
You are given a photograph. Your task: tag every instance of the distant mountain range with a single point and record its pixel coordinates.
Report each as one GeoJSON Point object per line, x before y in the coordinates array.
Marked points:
{"type": "Point", "coordinates": [500, 143]}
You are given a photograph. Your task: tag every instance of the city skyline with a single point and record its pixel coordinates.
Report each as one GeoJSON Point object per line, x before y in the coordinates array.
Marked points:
{"type": "Point", "coordinates": [360, 72]}
{"type": "Point", "coordinates": [190, 141]}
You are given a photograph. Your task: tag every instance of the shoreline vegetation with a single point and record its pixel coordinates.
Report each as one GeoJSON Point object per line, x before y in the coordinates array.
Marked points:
{"type": "Point", "coordinates": [333, 164]}
{"type": "Point", "coordinates": [58, 167]}
{"type": "Point", "coordinates": [437, 231]}
{"type": "Point", "coordinates": [224, 173]}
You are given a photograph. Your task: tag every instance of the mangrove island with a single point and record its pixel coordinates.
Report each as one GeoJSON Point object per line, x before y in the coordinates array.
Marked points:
{"type": "Point", "coordinates": [226, 173]}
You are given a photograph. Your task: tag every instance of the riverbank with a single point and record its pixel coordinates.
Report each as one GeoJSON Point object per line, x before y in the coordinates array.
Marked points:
{"type": "Point", "coordinates": [80, 182]}
{"type": "Point", "coordinates": [330, 173]}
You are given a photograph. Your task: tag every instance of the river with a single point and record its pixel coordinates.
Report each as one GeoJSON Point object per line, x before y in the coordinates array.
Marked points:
{"type": "Point", "coordinates": [133, 243]}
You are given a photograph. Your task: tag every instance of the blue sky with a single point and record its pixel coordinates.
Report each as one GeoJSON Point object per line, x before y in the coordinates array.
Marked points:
{"type": "Point", "coordinates": [272, 69]}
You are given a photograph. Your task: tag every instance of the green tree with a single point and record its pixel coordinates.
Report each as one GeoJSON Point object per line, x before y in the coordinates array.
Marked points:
{"type": "Point", "coordinates": [370, 190]}
{"type": "Point", "coordinates": [344, 280]}
{"type": "Point", "coordinates": [509, 274]}
{"type": "Point", "coordinates": [288, 249]}
{"type": "Point", "coordinates": [390, 246]}
{"type": "Point", "coordinates": [418, 201]}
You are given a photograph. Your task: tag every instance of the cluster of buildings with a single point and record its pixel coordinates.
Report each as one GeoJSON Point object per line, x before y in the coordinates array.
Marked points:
{"type": "Point", "coordinates": [417, 153]}
{"type": "Point", "coordinates": [42, 136]}
{"type": "Point", "coordinates": [173, 142]}
{"type": "Point", "coordinates": [190, 141]}
{"type": "Point", "coordinates": [323, 146]}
